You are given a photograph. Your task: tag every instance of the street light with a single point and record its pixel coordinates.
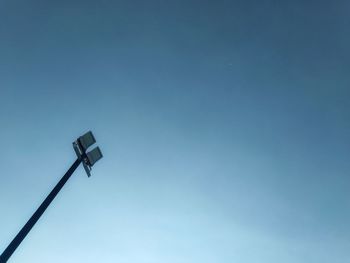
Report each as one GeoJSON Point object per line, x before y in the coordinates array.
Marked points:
{"type": "Point", "coordinates": [87, 158]}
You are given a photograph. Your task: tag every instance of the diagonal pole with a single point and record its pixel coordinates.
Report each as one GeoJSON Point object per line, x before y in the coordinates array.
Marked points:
{"type": "Point", "coordinates": [38, 213]}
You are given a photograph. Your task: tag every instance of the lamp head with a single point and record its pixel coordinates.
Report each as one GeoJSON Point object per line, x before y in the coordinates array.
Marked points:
{"type": "Point", "coordinates": [94, 155]}
{"type": "Point", "coordinates": [86, 140]}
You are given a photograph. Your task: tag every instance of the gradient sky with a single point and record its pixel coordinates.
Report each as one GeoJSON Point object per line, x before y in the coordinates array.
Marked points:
{"type": "Point", "coordinates": [224, 127]}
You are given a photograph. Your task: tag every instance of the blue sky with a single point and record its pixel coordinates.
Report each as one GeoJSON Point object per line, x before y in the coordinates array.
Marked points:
{"type": "Point", "coordinates": [224, 127]}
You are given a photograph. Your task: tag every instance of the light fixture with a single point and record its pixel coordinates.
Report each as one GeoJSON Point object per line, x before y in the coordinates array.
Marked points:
{"type": "Point", "coordinates": [89, 159]}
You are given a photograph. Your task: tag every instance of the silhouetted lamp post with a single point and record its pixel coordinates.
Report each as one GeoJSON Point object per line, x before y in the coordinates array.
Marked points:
{"type": "Point", "coordinates": [87, 158]}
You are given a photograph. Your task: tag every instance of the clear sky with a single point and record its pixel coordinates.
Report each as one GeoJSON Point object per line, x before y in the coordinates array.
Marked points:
{"type": "Point", "coordinates": [224, 127]}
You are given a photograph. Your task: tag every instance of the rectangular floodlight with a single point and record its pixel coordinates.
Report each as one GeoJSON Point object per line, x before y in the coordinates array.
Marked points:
{"type": "Point", "coordinates": [87, 140]}
{"type": "Point", "coordinates": [94, 155]}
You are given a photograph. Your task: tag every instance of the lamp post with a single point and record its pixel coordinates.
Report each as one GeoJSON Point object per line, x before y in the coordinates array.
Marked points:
{"type": "Point", "coordinates": [87, 158]}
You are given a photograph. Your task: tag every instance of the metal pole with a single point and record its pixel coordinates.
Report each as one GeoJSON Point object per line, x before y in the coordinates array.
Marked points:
{"type": "Point", "coordinates": [38, 213]}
